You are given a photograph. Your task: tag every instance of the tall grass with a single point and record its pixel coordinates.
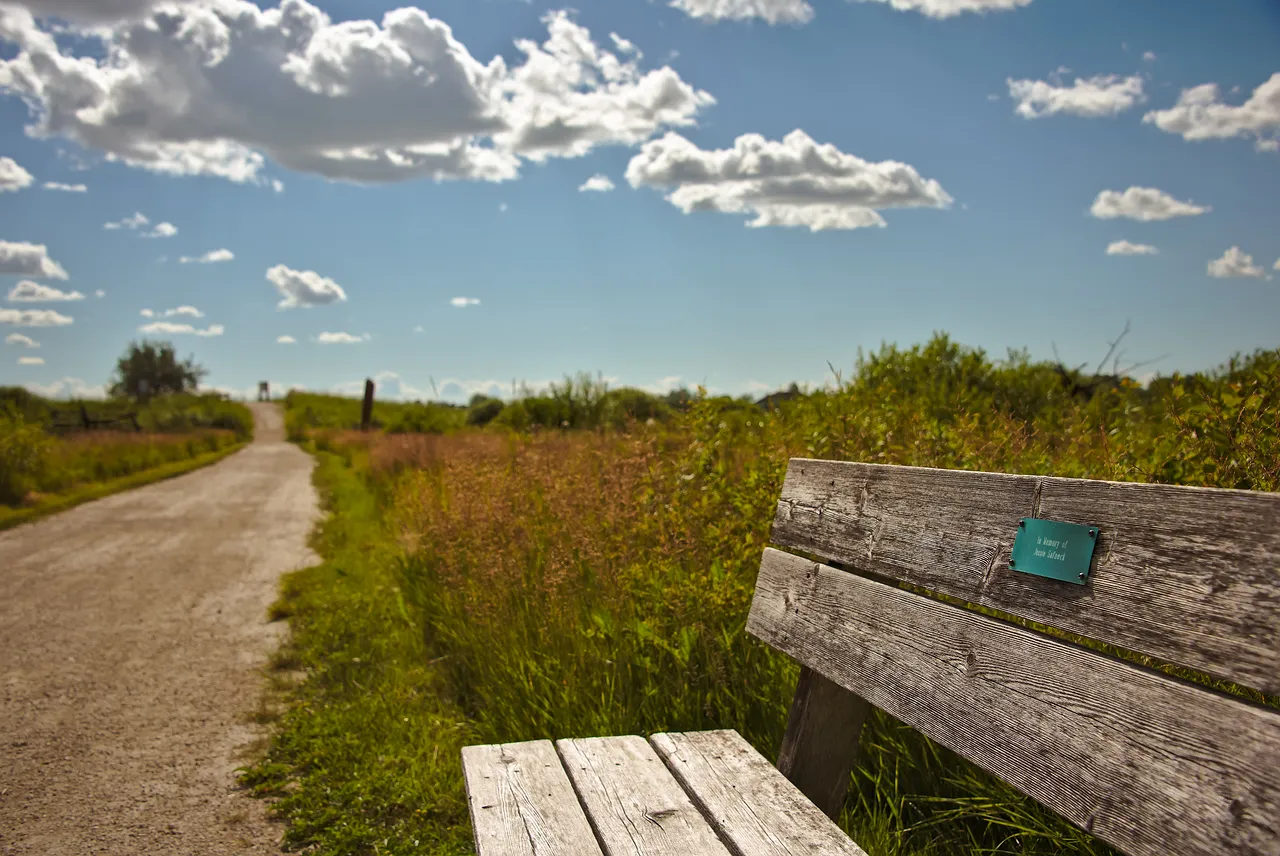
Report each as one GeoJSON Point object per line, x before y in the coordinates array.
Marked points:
{"type": "Point", "coordinates": [575, 583]}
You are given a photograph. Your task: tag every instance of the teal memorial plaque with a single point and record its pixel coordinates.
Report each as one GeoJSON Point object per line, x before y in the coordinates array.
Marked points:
{"type": "Point", "coordinates": [1051, 548]}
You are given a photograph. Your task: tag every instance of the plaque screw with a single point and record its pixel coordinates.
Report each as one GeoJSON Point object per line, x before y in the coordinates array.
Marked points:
{"type": "Point", "coordinates": [1011, 563]}
{"type": "Point", "coordinates": [1022, 524]}
{"type": "Point", "coordinates": [1081, 576]}
{"type": "Point", "coordinates": [1093, 533]}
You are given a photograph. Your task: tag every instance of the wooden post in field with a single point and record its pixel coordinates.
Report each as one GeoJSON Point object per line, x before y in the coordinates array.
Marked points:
{"type": "Point", "coordinates": [84, 417]}
{"type": "Point", "coordinates": [366, 410]}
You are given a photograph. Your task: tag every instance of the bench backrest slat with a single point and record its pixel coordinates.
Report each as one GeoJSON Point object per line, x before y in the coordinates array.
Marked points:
{"type": "Point", "coordinates": [1186, 575]}
{"type": "Point", "coordinates": [1146, 762]}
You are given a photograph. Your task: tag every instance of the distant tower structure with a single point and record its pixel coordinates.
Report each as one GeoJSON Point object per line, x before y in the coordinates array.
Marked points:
{"type": "Point", "coordinates": [264, 391]}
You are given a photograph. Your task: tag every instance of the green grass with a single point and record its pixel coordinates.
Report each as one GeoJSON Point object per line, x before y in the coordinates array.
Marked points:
{"type": "Point", "coordinates": [10, 517]}
{"type": "Point", "coordinates": [366, 754]}
{"type": "Point", "coordinates": [496, 585]}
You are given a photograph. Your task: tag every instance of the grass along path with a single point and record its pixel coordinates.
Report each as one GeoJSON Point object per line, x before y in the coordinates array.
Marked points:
{"type": "Point", "coordinates": [365, 756]}
{"type": "Point", "coordinates": [53, 503]}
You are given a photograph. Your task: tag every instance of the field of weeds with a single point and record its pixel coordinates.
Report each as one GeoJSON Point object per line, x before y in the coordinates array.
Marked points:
{"type": "Point", "coordinates": [43, 468]}
{"type": "Point", "coordinates": [501, 585]}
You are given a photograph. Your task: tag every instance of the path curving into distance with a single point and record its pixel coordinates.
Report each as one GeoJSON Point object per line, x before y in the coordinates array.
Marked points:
{"type": "Point", "coordinates": [132, 630]}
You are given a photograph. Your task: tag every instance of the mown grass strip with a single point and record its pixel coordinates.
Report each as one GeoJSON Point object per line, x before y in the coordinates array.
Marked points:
{"type": "Point", "coordinates": [365, 755]}
{"type": "Point", "coordinates": [10, 517]}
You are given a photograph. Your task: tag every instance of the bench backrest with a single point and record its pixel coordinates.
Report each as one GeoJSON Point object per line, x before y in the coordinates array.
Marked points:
{"type": "Point", "coordinates": [1148, 762]}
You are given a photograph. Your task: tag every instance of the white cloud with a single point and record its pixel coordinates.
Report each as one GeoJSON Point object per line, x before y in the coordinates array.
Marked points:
{"type": "Point", "coordinates": [1092, 98]}
{"type": "Point", "coordinates": [340, 338]}
{"type": "Point", "coordinates": [389, 387]}
{"type": "Point", "coordinates": [91, 11]}
{"type": "Point", "coordinates": [23, 259]}
{"type": "Point", "coordinates": [277, 185]}
{"type": "Point", "coordinates": [30, 361]}
{"type": "Point", "coordinates": [1149, 56]}
{"type": "Point", "coordinates": [418, 328]}
{"type": "Point", "coordinates": [1124, 248]}
{"type": "Point", "coordinates": [34, 318]}
{"type": "Point", "coordinates": [502, 208]}
{"type": "Point", "coordinates": [951, 8]}
{"type": "Point", "coordinates": [209, 258]}
{"type": "Point", "coordinates": [65, 188]}
{"type": "Point", "coordinates": [33, 292]}
{"type": "Point", "coordinates": [625, 46]}
{"type": "Point", "coordinates": [1277, 265]}
{"type": "Point", "coordinates": [99, 294]}
{"type": "Point", "coordinates": [177, 311]}
{"type": "Point", "coordinates": [464, 302]}
{"type": "Point", "coordinates": [168, 328]}
{"type": "Point", "coordinates": [1201, 115]}
{"type": "Point", "coordinates": [217, 88]}
{"type": "Point", "coordinates": [1235, 263]}
{"type": "Point", "coordinates": [13, 176]}
{"type": "Point", "coordinates": [161, 230]}
{"type": "Point", "coordinates": [795, 182]}
{"type": "Point", "coordinates": [1142, 203]}
{"type": "Point", "coordinates": [304, 287]}
{"type": "Point", "coordinates": [19, 339]}
{"type": "Point", "coordinates": [137, 221]}
{"type": "Point", "coordinates": [68, 387]}
{"type": "Point", "coordinates": [599, 183]}
{"type": "Point", "coordinates": [772, 11]}
{"type": "Point", "coordinates": [286, 340]}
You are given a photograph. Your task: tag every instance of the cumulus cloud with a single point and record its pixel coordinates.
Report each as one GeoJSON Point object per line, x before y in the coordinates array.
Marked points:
{"type": "Point", "coordinates": [30, 361]}
{"type": "Point", "coordinates": [1235, 263]}
{"type": "Point", "coordinates": [772, 11]}
{"type": "Point", "coordinates": [464, 302]}
{"type": "Point", "coordinates": [1092, 97]}
{"type": "Point", "coordinates": [34, 318]}
{"type": "Point", "coordinates": [340, 338]}
{"type": "Point", "coordinates": [68, 387]}
{"type": "Point", "coordinates": [19, 339]}
{"type": "Point", "coordinates": [23, 259]}
{"type": "Point", "coordinates": [1124, 248]}
{"type": "Point", "coordinates": [1149, 56]}
{"type": "Point", "coordinates": [209, 258]}
{"type": "Point", "coordinates": [1200, 114]}
{"type": "Point", "coordinates": [13, 176]}
{"type": "Point", "coordinates": [65, 188]}
{"type": "Point", "coordinates": [795, 182]}
{"type": "Point", "coordinates": [168, 328]}
{"type": "Point", "coordinates": [1142, 203]}
{"type": "Point", "coordinates": [390, 387]}
{"type": "Point", "coordinates": [137, 221]}
{"type": "Point", "coordinates": [161, 230]}
{"type": "Point", "coordinates": [187, 311]}
{"type": "Point", "coordinates": [33, 292]}
{"type": "Point", "coordinates": [303, 287]}
{"type": "Point", "coordinates": [219, 88]}
{"type": "Point", "coordinates": [598, 183]}
{"type": "Point", "coordinates": [951, 8]}
{"type": "Point", "coordinates": [286, 340]}
{"type": "Point", "coordinates": [91, 11]}
{"type": "Point", "coordinates": [99, 294]}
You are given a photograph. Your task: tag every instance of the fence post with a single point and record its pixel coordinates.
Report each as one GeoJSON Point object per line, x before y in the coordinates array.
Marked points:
{"type": "Point", "coordinates": [366, 410]}
{"type": "Point", "coordinates": [84, 417]}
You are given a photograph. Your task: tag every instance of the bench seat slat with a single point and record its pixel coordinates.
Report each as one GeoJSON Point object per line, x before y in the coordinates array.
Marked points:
{"type": "Point", "coordinates": [1148, 763]}
{"type": "Point", "coordinates": [635, 804]}
{"type": "Point", "coordinates": [1187, 575]}
{"type": "Point", "coordinates": [747, 800]}
{"type": "Point", "coordinates": [522, 803]}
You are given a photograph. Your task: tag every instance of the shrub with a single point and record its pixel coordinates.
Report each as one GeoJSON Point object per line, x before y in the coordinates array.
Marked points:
{"type": "Point", "coordinates": [24, 449]}
{"type": "Point", "coordinates": [483, 410]}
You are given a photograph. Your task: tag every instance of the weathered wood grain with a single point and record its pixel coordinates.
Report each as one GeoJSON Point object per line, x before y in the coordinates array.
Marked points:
{"type": "Point", "coordinates": [820, 745]}
{"type": "Point", "coordinates": [632, 800]}
{"type": "Point", "coordinates": [1146, 762]}
{"type": "Point", "coordinates": [522, 803]}
{"type": "Point", "coordinates": [1187, 575]}
{"type": "Point", "coordinates": [748, 801]}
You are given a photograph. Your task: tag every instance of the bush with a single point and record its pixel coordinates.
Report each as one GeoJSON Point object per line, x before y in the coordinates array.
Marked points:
{"type": "Point", "coordinates": [24, 449]}
{"type": "Point", "coordinates": [483, 410]}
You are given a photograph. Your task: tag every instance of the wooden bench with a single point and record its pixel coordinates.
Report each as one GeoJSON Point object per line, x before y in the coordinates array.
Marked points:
{"type": "Point", "coordinates": [1145, 761]}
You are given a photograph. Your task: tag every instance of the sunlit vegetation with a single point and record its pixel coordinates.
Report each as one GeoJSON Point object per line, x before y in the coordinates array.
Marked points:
{"type": "Point", "coordinates": [583, 565]}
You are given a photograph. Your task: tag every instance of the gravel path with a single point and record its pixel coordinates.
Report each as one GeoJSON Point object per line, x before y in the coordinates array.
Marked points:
{"type": "Point", "coordinates": [131, 634]}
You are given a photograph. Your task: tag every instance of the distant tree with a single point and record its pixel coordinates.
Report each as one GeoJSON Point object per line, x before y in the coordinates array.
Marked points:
{"type": "Point", "coordinates": [153, 368]}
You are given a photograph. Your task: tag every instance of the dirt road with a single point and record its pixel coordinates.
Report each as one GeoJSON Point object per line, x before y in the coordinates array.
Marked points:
{"type": "Point", "coordinates": [131, 632]}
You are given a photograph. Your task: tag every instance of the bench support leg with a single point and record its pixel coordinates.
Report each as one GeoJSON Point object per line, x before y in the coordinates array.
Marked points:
{"type": "Point", "coordinates": [820, 746]}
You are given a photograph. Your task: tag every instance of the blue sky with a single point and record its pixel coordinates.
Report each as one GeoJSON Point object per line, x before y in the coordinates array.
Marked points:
{"type": "Point", "coordinates": [962, 166]}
